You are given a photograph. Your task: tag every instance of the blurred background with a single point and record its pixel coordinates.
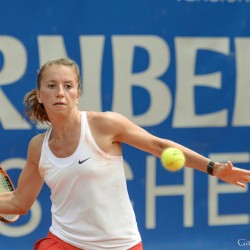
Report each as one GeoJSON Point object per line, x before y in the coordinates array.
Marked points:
{"type": "Point", "coordinates": [178, 68]}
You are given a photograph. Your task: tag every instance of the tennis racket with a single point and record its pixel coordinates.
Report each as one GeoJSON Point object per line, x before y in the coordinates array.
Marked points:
{"type": "Point", "coordinates": [6, 185]}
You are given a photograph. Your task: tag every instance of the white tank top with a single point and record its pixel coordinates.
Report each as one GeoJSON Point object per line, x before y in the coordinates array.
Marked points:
{"type": "Point", "coordinates": [91, 208]}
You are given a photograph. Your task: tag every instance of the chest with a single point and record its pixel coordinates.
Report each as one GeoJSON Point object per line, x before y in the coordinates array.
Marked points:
{"type": "Point", "coordinates": [64, 146]}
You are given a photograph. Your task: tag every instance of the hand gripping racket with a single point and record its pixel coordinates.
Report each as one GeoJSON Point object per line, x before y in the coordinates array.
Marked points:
{"type": "Point", "coordinates": [6, 185]}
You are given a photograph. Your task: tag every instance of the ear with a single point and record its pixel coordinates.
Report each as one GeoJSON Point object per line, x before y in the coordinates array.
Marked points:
{"type": "Point", "coordinates": [38, 96]}
{"type": "Point", "coordinates": [78, 97]}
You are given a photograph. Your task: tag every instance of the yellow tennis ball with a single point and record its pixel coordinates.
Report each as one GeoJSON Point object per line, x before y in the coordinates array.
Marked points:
{"type": "Point", "coordinates": [172, 159]}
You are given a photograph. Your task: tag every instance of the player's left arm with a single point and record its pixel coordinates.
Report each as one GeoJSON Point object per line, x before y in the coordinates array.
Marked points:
{"type": "Point", "coordinates": [127, 132]}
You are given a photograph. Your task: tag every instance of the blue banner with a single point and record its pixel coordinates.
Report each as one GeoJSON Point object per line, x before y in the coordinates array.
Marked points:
{"type": "Point", "coordinates": [178, 68]}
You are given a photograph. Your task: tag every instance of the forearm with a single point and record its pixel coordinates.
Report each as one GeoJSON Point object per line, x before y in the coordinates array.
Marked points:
{"type": "Point", "coordinates": [193, 159]}
{"type": "Point", "coordinates": [9, 204]}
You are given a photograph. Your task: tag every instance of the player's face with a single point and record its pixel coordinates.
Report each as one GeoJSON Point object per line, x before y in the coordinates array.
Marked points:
{"type": "Point", "coordinates": [59, 91]}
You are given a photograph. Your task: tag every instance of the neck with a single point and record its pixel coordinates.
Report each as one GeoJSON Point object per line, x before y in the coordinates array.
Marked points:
{"type": "Point", "coordinates": [63, 125]}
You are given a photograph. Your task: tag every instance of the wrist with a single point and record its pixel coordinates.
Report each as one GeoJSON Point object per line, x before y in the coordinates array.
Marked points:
{"type": "Point", "coordinates": [210, 168]}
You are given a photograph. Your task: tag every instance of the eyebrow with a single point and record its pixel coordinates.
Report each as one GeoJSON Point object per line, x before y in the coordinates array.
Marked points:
{"type": "Point", "coordinates": [65, 81]}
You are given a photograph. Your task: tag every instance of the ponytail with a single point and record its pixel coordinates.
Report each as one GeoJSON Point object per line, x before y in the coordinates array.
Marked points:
{"type": "Point", "coordinates": [34, 110]}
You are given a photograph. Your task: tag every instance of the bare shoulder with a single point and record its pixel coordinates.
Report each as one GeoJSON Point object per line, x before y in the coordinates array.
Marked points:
{"type": "Point", "coordinates": [37, 140]}
{"type": "Point", "coordinates": [108, 124]}
{"type": "Point", "coordinates": [106, 119]}
{"type": "Point", "coordinates": [114, 124]}
{"type": "Point", "coordinates": [103, 116]}
{"type": "Point", "coordinates": [35, 147]}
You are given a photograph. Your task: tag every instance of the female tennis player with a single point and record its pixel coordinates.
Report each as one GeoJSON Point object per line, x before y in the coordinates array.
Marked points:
{"type": "Point", "coordinates": [80, 159]}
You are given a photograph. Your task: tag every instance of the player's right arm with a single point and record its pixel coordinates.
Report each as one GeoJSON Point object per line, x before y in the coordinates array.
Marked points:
{"type": "Point", "coordinates": [29, 184]}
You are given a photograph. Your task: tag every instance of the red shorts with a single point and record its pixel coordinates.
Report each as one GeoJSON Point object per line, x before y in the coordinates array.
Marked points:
{"type": "Point", "coordinates": [52, 242]}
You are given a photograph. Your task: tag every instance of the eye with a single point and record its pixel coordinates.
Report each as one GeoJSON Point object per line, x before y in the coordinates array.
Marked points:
{"type": "Point", "coordinates": [51, 85]}
{"type": "Point", "coordinates": [68, 86]}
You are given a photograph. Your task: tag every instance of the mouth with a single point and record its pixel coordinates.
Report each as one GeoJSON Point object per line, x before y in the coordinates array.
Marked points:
{"type": "Point", "coordinates": [59, 103]}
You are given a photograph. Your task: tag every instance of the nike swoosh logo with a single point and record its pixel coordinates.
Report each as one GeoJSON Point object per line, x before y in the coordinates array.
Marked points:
{"type": "Point", "coordinates": [80, 162]}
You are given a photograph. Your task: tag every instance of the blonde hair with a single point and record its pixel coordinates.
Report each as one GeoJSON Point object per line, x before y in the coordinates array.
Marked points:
{"type": "Point", "coordinates": [34, 110]}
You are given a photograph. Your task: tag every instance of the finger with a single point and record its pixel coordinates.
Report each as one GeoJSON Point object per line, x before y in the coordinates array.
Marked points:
{"type": "Point", "coordinates": [240, 184]}
{"type": "Point", "coordinates": [229, 164]}
{"type": "Point", "coordinates": [245, 178]}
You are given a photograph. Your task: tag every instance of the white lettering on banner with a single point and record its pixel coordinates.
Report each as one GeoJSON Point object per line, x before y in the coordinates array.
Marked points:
{"type": "Point", "coordinates": [15, 60]}
{"type": "Point", "coordinates": [123, 48]}
{"type": "Point", "coordinates": [92, 48]}
{"type": "Point", "coordinates": [14, 66]}
{"type": "Point", "coordinates": [215, 188]}
{"type": "Point", "coordinates": [186, 80]}
{"type": "Point", "coordinates": [10, 118]}
{"type": "Point", "coordinates": [50, 47]}
{"type": "Point", "coordinates": [36, 211]}
{"type": "Point", "coordinates": [241, 116]}
{"type": "Point", "coordinates": [153, 191]}
{"type": "Point", "coordinates": [125, 79]}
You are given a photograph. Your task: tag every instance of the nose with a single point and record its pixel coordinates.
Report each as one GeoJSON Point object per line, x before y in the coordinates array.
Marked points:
{"type": "Point", "coordinates": [60, 93]}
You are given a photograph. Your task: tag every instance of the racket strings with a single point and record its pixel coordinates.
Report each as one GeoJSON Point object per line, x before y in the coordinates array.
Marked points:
{"type": "Point", "coordinates": [6, 186]}
{"type": "Point", "coordinates": [8, 217]}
